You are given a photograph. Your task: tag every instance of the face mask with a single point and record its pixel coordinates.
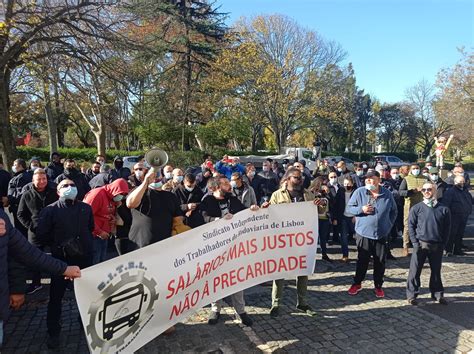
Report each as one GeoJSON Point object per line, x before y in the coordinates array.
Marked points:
{"type": "Point", "coordinates": [429, 202]}
{"type": "Point", "coordinates": [156, 185]}
{"type": "Point", "coordinates": [395, 176]}
{"type": "Point", "coordinates": [68, 193]}
{"type": "Point", "coordinates": [434, 178]}
{"type": "Point", "coordinates": [139, 174]}
{"type": "Point", "coordinates": [117, 198]}
{"type": "Point", "coordinates": [34, 168]}
{"type": "Point", "coordinates": [251, 174]}
{"type": "Point", "coordinates": [14, 170]}
{"type": "Point", "coordinates": [265, 168]}
{"type": "Point", "coordinates": [233, 164]}
{"type": "Point", "coordinates": [370, 187]}
{"type": "Point", "coordinates": [426, 174]}
{"type": "Point", "coordinates": [460, 185]}
{"type": "Point", "coordinates": [347, 187]}
{"type": "Point", "coordinates": [284, 166]}
{"type": "Point", "coordinates": [415, 172]}
{"type": "Point", "coordinates": [233, 184]}
{"type": "Point", "coordinates": [179, 179]}
{"type": "Point", "coordinates": [339, 169]}
{"type": "Point", "coordinates": [359, 173]}
{"type": "Point", "coordinates": [333, 181]}
{"type": "Point", "coordinates": [118, 164]}
{"type": "Point", "coordinates": [364, 166]}
{"type": "Point", "coordinates": [189, 189]}
{"type": "Point", "coordinates": [168, 175]}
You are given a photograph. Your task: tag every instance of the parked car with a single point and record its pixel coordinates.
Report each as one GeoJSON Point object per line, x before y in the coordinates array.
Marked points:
{"type": "Point", "coordinates": [390, 160]}
{"type": "Point", "coordinates": [130, 161]}
{"type": "Point", "coordinates": [333, 160]}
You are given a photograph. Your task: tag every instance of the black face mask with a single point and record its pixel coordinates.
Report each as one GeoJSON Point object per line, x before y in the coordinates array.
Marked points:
{"type": "Point", "coordinates": [348, 188]}
{"type": "Point", "coordinates": [70, 170]}
{"type": "Point", "coordinates": [118, 164]}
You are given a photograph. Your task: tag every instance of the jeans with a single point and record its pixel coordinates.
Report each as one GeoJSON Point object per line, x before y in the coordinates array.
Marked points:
{"type": "Point", "coordinates": [323, 234]}
{"type": "Point", "coordinates": [99, 250]}
{"type": "Point", "coordinates": [347, 227]}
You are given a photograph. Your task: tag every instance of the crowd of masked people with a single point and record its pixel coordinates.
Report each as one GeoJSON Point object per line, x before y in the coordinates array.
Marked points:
{"type": "Point", "coordinates": [74, 212]}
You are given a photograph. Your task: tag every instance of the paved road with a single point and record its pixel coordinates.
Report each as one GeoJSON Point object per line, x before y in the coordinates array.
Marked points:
{"type": "Point", "coordinates": [358, 324]}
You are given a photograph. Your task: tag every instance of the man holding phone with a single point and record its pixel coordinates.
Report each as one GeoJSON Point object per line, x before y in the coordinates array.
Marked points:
{"type": "Point", "coordinates": [375, 211]}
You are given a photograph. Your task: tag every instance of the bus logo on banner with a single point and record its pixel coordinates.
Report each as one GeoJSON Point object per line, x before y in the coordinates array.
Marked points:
{"type": "Point", "coordinates": [124, 308]}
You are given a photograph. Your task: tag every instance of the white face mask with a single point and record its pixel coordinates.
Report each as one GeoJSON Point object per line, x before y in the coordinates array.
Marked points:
{"type": "Point", "coordinates": [333, 181]}
{"type": "Point", "coordinates": [415, 172]}
{"type": "Point", "coordinates": [189, 189]}
{"type": "Point", "coordinates": [265, 168]}
{"type": "Point", "coordinates": [139, 174]}
{"type": "Point", "coordinates": [14, 169]}
{"type": "Point", "coordinates": [434, 178]}
{"type": "Point", "coordinates": [168, 175]}
{"type": "Point", "coordinates": [179, 179]}
{"type": "Point", "coordinates": [395, 175]}
{"type": "Point", "coordinates": [364, 166]}
{"type": "Point", "coordinates": [233, 184]}
{"type": "Point", "coordinates": [359, 173]}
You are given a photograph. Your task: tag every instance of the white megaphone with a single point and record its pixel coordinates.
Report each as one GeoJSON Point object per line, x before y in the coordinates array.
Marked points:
{"type": "Point", "coordinates": [156, 158]}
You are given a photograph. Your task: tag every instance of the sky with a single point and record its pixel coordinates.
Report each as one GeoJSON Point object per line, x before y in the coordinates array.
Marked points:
{"type": "Point", "coordinates": [392, 44]}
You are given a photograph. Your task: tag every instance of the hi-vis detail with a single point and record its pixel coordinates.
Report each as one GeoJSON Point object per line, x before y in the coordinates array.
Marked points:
{"type": "Point", "coordinates": [121, 312]}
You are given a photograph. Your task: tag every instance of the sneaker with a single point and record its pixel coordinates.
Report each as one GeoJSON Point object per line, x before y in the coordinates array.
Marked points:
{"type": "Point", "coordinates": [53, 342]}
{"type": "Point", "coordinates": [390, 256]}
{"type": "Point", "coordinates": [246, 320]}
{"type": "Point", "coordinates": [274, 311]}
{"type": "Point", "coordinates": [33, 288]}
{"type": "Point", "coordinates": [379, 293]}
{"type": "Point", "coordinates": [213, 318]}
{"type": "Point", "coordinates": [441, 300]}
{"type": "Point", "coordinates": [413, 302]}
{"type": "Point", "coordinates": [306, 309]}
{"type": "Point", "coordinates": [345, 259]}
{"type": "Point", "coordinates": [354, 289]}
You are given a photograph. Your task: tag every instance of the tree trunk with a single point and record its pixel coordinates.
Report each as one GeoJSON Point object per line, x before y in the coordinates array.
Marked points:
{"type": "Point", "coordinates": [199, 142]}
{"type": "Point", "coordinates": [7, 143]}
{"type": "Point", "coordinates": [100, 138]}
{"type": "Point", "coordinates": [50, 120]}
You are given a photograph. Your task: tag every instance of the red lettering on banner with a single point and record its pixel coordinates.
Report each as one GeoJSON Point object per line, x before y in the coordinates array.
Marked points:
{"type": "Point", "coordinates": [170, 288]}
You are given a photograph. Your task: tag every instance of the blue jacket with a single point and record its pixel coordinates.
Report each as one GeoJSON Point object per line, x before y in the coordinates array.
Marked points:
{"type": "Point", "coordinates": [377, 225]}
{"type": "Point", "coordinates": [227, 170]}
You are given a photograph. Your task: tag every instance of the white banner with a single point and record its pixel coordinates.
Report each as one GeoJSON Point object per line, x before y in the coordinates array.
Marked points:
{"type": "Point", "coordinates": [129, 300]}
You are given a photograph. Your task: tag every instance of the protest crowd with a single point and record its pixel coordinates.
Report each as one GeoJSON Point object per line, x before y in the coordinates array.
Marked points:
{"type": "Point", "coordinates": [74, 214]}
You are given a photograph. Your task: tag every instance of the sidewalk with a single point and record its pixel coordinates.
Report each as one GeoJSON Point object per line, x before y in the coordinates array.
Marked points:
{"type": "Point", "coordinates": [359, 324]}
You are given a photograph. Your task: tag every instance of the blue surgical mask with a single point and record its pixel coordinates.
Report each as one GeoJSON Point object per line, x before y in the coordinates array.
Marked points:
{"type": "Point", "coordinates": [233, 184]}
{"type": "Point", "coordinates": [14, 170]}
{"type": "Point", "coordinates": [189, 189]}
{"type": "Point", "coordinates": [434, 178]}
{"type": "Point", "coordinates": [415, 172]}
{"type": "Point", "coordinates": [156, 185]}
{"type": "Point", "coordinates": [118, 198]}
{"type": "Point", "coordinates": [370, 187]}
{"type": "Point", "coordinates": [179, 179]}
{"type": "Point", "coordinates": [333, 181]}
{"type": "Point", "coordinates": [168, 175]}
{"type": "Point", "coordinates": [360, 173]}
{"type": "Point", "coordinates": [68, 193]}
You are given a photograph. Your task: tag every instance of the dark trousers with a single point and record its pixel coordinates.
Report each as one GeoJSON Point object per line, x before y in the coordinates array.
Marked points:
{"type": "Point", "coordinates": [336, 229]}
{"type": "Point", "coordinates": [458, 225]}
{"type": "Point", "coordinates": [56, 294]}
{"type": "Point", "coordinates": [323, 235]}
{"type": "Point", "coordinates": [434, 253]}
{"type": "Point", "coordinates": [365, 249]}
{"type": "Point", "coordinates": [124, 245]}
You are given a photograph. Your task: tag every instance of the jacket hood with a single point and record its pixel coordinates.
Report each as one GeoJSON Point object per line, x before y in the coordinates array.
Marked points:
{"type": "Point", "coordinates": [119, 186]}
{"type": "Point", "coordinates": [71, 173]}
{"type": "Point", "coordinates": [53, 154]}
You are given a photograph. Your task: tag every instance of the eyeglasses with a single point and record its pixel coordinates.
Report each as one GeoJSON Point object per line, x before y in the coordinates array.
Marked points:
{"type": "Point", "coordinates": [68, 185]}
{"type": "Point", "coordinates": [426, 189]}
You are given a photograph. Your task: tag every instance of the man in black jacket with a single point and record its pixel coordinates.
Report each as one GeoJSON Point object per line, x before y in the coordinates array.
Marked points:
{"type": "Point", "coordinates": [190, 197]}
{"type": "Point", "coordinates": [63, 224]}
{"type": "Point", "coordinates": [93, 171]}
{"type": "Point", "coordinates": [55, 168]}
{"type": "Point", "coordinates": [119, 171]}
{"type": "Point", "coordinates": [429, 225]}
{"type": "Point", "coordinates": [31, 203]}
{"type": "Point", "coordinates": [459, 201]}
{"type": "Point", "coordinates": [5, 178]}
{"type": "Point", "coordinates": [13, 245]}
{"type": "Point", "coordinates": [103, 178]}
{"type": "Point", "coordinates": [441, 185]}
{"type": "Point", "coordinates": [79, 179]}
{"type": "Point", "coordinates": [222, 204]}
{"type": "Point", "coordinates": [20, 178]}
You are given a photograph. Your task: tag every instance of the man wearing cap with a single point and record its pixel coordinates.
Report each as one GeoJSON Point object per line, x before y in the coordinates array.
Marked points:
{"type": "Point", "coordinates": [55, 168]}
{"type": "Point", "coordinates": [375, 211]}
{"type": "Point", "coordinates": [410, 189]}
{"type": "Point", "coordinates": [440, 184]}
{"type": "Point", "coordinates": [228, 166]}
{"type": "Point", "coordinates": [21, 177]}
{"type": "Point", "coordinates": [429, 225]}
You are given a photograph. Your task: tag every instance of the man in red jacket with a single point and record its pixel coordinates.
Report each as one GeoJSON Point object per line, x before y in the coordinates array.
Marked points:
{"type": "Point", "coordinates": [104, 201]}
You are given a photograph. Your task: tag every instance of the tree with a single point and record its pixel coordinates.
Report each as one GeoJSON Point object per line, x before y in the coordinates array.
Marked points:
{"type": "Point", "coordinates": [454, 102]}
{"type": "Point", "coordinates": [394, 124]}
{"type": "Point", "coordinates": [61, 24]}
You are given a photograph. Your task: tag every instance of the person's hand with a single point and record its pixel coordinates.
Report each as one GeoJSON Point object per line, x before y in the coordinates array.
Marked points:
{"type": "Point", "coordinates": [104, 235]}
{"type": "Point", "coordinates": [368, 209]}
{"type": "Point", "coordinates": [334, 222]}
{"type": "Point", "coordinates": [17, 300]}
{"type": "Point", "coordinates": [265, 204]}
{"type": "Point", "coordinates": [318, 202]}
{"type": "Point", "coordinates": [72, 272]}
{"type": "Point", "coordinates": [188, 213]}
{"type": "Point", "coordinates": [192, 206]}
{"type": "Point", "coordinates": [5, 201]}
{"type": "Point", "coordinates": [353, 219]}
{"type": "Point", "coordinates": [228, 216]}
{"type": "Point", "coordinates": [254, 207]}
{"type": "Point", "coordinates": [150, 176]}
{"type": "Point", "coordinates": [3, 227]}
